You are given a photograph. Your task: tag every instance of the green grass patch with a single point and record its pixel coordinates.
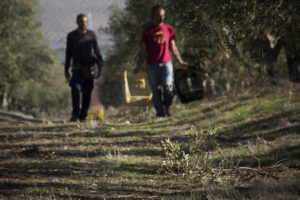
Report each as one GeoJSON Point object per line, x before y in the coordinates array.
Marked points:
{"type": "Point", "coordinates": [198, 152]}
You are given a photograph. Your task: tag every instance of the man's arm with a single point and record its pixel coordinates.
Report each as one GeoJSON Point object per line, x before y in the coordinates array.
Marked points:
{"type": "Point", "coordinates": [68, 57]}
{"type": "Point", "coordinates": [176, 54]}
{"type": "Point", "coordinates": [97, 51]}
{"type": "Point", "coordinates": [142, 56]}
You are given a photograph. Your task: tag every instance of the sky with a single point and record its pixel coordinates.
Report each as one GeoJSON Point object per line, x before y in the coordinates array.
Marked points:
{"type": "Point", "coordinates": [58, 18]}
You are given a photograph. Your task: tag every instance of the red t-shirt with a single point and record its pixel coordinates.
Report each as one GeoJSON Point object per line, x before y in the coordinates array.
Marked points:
{"type": "Point", "coordinates": [158, 40]}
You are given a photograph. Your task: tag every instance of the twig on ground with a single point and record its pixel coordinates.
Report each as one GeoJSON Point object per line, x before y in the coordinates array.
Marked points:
{"type": "Point", "coordinates": [260, 172]}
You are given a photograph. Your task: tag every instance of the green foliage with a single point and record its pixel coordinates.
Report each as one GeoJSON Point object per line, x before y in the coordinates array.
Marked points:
{"type": "Point", "coordinates": [30, 78]}
{"type": "Point", "coordinates": [176, 160]}
{"type": "Point", "coordinates": [249, 30]}
{"type": "Point", "coordinates": [198, 162]}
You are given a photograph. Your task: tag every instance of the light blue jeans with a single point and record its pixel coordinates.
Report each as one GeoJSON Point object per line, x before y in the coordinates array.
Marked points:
{"type": "Point", "coordinates": [161, 82]}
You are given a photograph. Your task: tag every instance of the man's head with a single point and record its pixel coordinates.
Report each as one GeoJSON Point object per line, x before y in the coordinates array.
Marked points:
{"type": "Point", "coordinates": [158, 14]}
{"type": "Point", "coordinates": [82, 22]}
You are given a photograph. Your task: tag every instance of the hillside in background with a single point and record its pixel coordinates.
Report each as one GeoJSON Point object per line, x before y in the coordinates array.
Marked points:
{"type": "Point", "coordinates": [59, 17]}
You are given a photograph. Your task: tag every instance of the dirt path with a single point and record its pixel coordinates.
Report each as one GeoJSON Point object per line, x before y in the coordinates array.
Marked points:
{"type": "Point", "coordinates": [79, 161]}
{"type": "Point", "coordinates": [122, 157]}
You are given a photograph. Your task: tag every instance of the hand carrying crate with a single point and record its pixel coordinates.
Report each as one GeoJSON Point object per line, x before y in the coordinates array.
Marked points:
{"type": "Point", "coordinates": [189, 84]}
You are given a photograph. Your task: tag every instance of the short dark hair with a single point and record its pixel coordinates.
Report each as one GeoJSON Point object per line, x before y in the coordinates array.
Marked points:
{"type": "Point", "coordinates": [79, 16]}
{"type": "Point", "coordinates": [155, 8]}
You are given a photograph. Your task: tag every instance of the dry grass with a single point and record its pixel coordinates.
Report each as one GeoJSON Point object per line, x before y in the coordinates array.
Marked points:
{"type": "Point", "coordinates": [121, 158]}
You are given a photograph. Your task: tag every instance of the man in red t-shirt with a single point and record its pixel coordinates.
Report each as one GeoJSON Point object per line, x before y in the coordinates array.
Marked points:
{"type": "Point", "coordinates": [157, 42]}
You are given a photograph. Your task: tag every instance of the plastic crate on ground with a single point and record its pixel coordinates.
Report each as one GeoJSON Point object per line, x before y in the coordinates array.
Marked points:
{"type": "Point", "coordinates": [136, 89]}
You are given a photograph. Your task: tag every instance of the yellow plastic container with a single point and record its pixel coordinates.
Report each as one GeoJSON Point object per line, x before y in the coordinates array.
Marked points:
{"type": "Point", "coordinates": [136, 89]}
{"type": "Point", "coordinates": [96, 115]}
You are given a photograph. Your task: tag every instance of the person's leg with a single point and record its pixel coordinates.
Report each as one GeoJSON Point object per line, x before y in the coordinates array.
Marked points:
{"type": "Point", "coordinates": [88, 86]}
{"type": "Point", "coordinates": [154, 80]}
{"type": "Point", "coordinates": [75, 104]}
{"type": "Point", "coordinates": [293, 69]}
{"type": "Point", "coordinates": [274, 72]}
{"type": "Point", "coordinates": [76, 88]}
{"type": "Point", "coordinates": [166, 74]}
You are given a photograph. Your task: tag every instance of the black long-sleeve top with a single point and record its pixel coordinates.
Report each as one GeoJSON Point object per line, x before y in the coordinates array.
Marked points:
{"type": "Point", "coordinates": [82, 49]}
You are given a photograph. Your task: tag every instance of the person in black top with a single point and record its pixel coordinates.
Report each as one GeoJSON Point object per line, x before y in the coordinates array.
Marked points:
{"type": "Point", "coordinates": [82, 49]}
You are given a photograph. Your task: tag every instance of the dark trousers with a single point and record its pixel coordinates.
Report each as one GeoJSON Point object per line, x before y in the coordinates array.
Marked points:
{"type": "Point", "coordinates": [84, 86]}
{"type": "Point", "coordinates": [293, 68]}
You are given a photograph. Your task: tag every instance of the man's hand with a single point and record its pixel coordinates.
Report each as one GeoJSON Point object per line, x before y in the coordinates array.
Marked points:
{"type": "Point", "coordinates": [67, 74]}
{"type": "Point", "coordinates": [137, 70]}
{"type": "Point", "coordinates": [184, 65]}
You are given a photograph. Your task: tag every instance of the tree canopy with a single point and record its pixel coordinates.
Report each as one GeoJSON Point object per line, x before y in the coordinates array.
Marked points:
{"type": "Point", "coordinates": [30, 77]}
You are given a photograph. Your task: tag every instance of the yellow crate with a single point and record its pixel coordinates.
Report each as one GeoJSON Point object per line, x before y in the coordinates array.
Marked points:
{"type": "Point", "coordinates": [136, 89]}
{"type": "Point", "coordinates": [96, 115]}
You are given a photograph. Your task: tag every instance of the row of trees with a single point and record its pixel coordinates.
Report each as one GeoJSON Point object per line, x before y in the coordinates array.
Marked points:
{"type": "Point", "coordinates": [30, 76]}
{"type": "Point", "coordinates": [237, 43]}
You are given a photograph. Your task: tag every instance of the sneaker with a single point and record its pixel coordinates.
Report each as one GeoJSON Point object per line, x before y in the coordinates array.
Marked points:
{"type": "Point", "coordinates": [160, 115]}
{"type": "Point", "coordinates": [82, 120]}
{"type": "Point", "coordinates": [73, 119]}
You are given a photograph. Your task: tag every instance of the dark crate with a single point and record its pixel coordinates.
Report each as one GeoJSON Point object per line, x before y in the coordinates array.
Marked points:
{"type": "Point", "coordinates": [189, 84]}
